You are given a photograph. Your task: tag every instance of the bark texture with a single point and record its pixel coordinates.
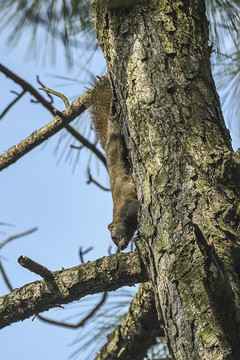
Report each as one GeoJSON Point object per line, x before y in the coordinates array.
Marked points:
{"type": "Point", "coordinates": [140, 327]}
{"type": "Point", "coordinates": [186, 173]}
{"type": "Point", "coordinates": [107, 273]}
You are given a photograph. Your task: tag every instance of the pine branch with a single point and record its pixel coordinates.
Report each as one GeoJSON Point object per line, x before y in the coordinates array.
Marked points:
{"type": "Point", "coordinates": [27, 87]}
{"type": "Point", "coordinates": [105, 274]}
{"type": "Point", "coordinates": [61, 120]}
{"type": "Point", "coordinates": [39, 136]}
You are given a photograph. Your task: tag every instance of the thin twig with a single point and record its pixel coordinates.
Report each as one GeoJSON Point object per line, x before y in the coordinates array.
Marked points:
{"type": "Point", "coordinates": [87, 143]}
{"type": "Point", "coordinates": [6, 224]}
{"type": "Point", "coordinates": [40, 83]}
{"type": "Point", "coordinates": [58, 94]}
{"type": "Point", "coordinates": [12, 103]}
{"type": "Point", "coordinates": [7, 281]}
{"type": "Point", "coordinates": [80, 323]}
{"type": "Point", "coordinates": [81, 253]}
{"type": "Point", "coordinates": [77, 147]}
{"type": "Point", "coordinates": [90, 179]}
{"type": "Point", "coordinates": [13, 237]}
{"type": "Point", "coordinates": [27, 87]}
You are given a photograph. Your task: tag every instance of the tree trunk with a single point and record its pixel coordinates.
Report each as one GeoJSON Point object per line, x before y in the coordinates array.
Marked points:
{"type": "Point", "coordinates": [184, 168]}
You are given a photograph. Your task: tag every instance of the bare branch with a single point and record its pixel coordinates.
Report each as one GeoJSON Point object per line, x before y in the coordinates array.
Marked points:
{"type": "Point", "coordinates": [39, 136]}
{"type": "Point", "coordinates": [138, 331]}
{"type": "Point", "coordinates": [13, 237]}
{"type": "Point", "coordinates": [77, 147]}
{"type": "Point", "coordinates": [61, 120]}
{"type": "Point", "coordinates": [61, 323]}
{"type": "Point", "coordinates": [12, 103]}
{"type": "Point", "coordinates": [58, 94]}
{"type": "Point", "coordinates": [90, 179]}
{"type": "Point", "coordinates": [5, 224]}
{"type": "Point", "coordinates": [80, 323]}
{"type": "Point", "coordinates": [27, 87]}
{"type": "Point", "coordinates": [82, 253]}
{"type": "Point", "coordinates": [40, 83]}
{"type": "Point", "coordinates": [105, 274]}
{"type": "Point", "coordinates": [87, 143]}
{"type": "Point", "coordinates": [35, 267]}
{"type": "Point", "coordinates": [7, 281]}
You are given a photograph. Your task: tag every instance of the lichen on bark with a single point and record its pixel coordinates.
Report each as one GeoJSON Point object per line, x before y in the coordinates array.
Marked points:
{"type": "Point", "coordinates": [184, 168]}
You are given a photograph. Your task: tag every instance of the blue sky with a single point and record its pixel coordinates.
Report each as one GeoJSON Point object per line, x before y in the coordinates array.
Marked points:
{"type": "Point", "coordinates": [40, 191]}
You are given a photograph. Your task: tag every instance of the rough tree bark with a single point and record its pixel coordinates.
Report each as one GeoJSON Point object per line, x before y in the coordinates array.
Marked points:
{"type": "Point", "coordinates": [105, 274]}
{"type": "Point", "coordinates": [139, 329]}
{"type": "Point", "coordinates": [184, 168]}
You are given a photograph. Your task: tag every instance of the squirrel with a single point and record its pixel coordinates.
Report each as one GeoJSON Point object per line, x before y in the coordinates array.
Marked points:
{"type": "Point", "coordinates": [107, 128]}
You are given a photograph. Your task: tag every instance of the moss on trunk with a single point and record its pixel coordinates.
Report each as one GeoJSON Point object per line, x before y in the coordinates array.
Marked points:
{"type": "Point", "coordinates": [184, 168]}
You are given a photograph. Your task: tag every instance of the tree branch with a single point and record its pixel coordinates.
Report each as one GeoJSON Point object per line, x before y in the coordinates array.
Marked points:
{"type": "Point", "coordinates": [61, 120]}
{"type": "Point", "coordinates": [35, 267]}
{"type": "Point", "coordinates": [138, 332]}
{"type": "Point", "coordinates": [12, 103]}
{"type": "Point", "coordinates": [27, 87]}
{"type": "Point", "coordinates": [3, 272]}
{"type": "Point", "coordinates": [87, 143]}
{"type": "Point", "coordinates": [108, 273]}
{"type": "Point", "coordinates": [90, 179]}
{"type": "Point", "coordinates": [82, 322]}
{"type": "Point", "coordinates": [13, 237]}
{"type": "Point", "coordinates": [39, 136]}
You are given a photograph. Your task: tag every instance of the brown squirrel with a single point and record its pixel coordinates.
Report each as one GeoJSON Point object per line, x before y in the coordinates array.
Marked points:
{"type": "Point", "coordinates": [125, 204]}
